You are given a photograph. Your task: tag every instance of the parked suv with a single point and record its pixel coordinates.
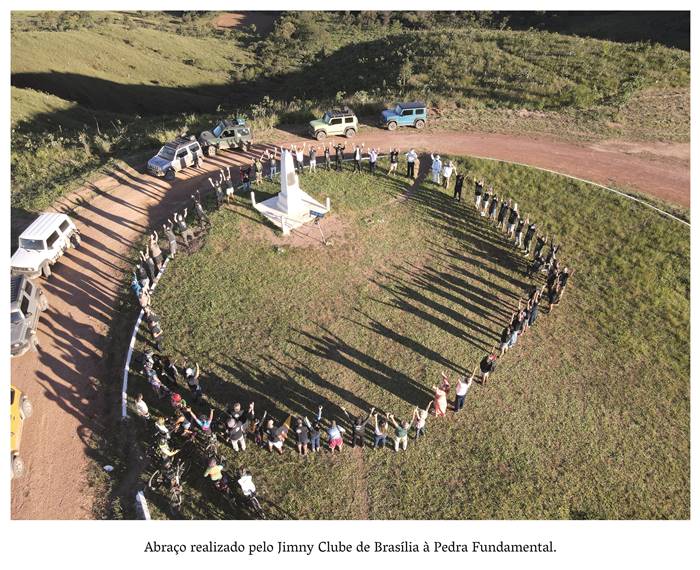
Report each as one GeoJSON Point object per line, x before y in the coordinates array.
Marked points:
{"type": "Point", "coordinates": [226, 134]}
{"type": "Point", "coordinates": [42, 244]}
{"type": "Point", "coordinates": [20, 410]}
{"type": "Point", "coordinates": [336, 122]}
{"type": "Point", "coordinates": [405, 115]}
{"type": "Point", "coordinates": [27, 301]}
{"type": "Point", "coordinates": [175, 156]}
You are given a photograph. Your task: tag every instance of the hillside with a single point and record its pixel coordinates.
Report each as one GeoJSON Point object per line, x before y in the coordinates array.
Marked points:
{"type": "Point", "coordinates": [110, 84]}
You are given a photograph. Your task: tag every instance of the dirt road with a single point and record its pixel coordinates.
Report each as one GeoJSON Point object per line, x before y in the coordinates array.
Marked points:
{"type": "Point", "coordinates": [85, 285]}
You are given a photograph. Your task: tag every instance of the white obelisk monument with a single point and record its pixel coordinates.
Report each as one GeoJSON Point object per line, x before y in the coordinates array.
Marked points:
{"type": "Point", "coordinates": [292, 207]}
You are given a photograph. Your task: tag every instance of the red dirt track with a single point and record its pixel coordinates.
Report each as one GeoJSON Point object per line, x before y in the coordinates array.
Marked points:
{"type": "Point", "coordinates": [83, 290]}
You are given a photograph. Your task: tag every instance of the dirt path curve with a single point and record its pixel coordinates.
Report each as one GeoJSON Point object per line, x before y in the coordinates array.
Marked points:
{"type": "Point", "coordinates": [85, 286]}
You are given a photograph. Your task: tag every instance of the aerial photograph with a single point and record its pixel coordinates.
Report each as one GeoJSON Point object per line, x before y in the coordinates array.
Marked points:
{"type": "Point", "coordinates": [349, 265]}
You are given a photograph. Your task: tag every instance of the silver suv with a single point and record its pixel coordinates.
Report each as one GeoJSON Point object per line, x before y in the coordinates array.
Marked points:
{"type": "Point", "coordinates": [27, 301]}
{"type": "Point", "coordinates": [175, 156]}
{"type": "Point", "coordinates": [42, 244]}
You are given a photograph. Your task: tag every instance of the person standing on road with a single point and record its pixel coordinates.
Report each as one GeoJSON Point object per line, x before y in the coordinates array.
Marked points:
{"type": "Point", "coordinates": [461, 389]}
{"type": "Point", "coordinates": [436, 167]}
{"type": "Point", "coordinates": [459, 182]}
{"type": "Point", "coordinates": [393, 160]}
{"type": "Point", "coordinates": [411, 157]}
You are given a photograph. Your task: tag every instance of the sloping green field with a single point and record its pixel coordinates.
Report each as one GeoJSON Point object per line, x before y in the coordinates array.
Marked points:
{"type": "Point", "coordinates": [587, 417]}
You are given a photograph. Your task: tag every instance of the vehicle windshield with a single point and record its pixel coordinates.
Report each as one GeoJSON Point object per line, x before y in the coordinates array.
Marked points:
{"type": "Point", "coordinates": [326, 118]}
{"type": "Point", "coordinates": [398, 109]}
{"type": "Point", "coordinates": [216, 131]}
{"type": "Point", "coordinates": [35, 244]}
{"type": "Point", "coordinates": [167, 153]}
{"type": "Point", "coordinates": [16, 317]}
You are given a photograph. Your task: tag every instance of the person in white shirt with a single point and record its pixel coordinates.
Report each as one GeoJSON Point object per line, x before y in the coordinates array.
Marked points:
{"type": "Point", "coordinates": [373, 154]}
{"type": "Point", "coordinates": [357, 157]}
{"type": "Point", "coordinates": [246, 484]}
{"type": "Point", "coordinates": [411, 157]}
{"type": "Point", "coordinates": [436, 168]}
{"type": "Point", "coordinates": [141, 407]}
{"type": "Point", "coordinates": [461, 390]}
{"type": "Point", "coordinates": [447, 171]}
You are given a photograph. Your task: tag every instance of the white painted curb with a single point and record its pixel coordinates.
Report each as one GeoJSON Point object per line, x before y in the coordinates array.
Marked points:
{"type": "Point", "coordinates": [129, 353]}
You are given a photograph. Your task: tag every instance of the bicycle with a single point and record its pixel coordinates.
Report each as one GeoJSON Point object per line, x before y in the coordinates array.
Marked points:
{"type": "Point", "coordinates": [172, 474]}
{"type": "Point", "coordinates": [252, 503]}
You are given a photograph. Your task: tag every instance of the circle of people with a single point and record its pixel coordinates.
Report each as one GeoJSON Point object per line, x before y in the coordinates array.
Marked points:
{"type": "Point", "coordinates": [238, 424]}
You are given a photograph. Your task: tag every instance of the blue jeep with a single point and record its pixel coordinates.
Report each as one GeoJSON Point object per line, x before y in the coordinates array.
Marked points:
{"type": "Point", "coordinates": [405, 115]}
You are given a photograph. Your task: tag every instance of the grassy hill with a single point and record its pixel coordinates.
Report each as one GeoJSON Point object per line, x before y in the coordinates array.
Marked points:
{"type": "Point", "coordinates": [146, 75]}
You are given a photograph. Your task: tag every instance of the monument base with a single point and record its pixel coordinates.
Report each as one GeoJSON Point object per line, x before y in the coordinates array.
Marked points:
{"type": "Point", "coordinates": [288, 220]}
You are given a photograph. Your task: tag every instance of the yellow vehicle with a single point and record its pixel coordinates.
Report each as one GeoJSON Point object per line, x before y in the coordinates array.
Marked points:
{"type": "Point", "coordinates": [20, 410]}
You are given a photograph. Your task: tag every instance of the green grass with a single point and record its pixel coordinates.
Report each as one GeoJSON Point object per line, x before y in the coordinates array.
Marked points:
{"type": "Point", "coordinates": [587, 417]}
{"type": "Point", "coordinates": [76, 75]}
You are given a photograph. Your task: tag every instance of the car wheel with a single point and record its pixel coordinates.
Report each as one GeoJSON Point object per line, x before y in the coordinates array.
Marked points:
{"type": "Point", "coordinates": [211, 150]}
{"type": "Point", "coordinates": [77, 239]}
{"type": "Point", "coordinates": [391, 126]}
{"type": "Point", "coordinates": [320, 135]}
{"type": "Point", "coordinates": [43, 302]}
{"type": "Point", "coordinates": [170, 174]}
{"type": "Point", "coordinates": [17, 467]}
{"type": "Point", "coordinates": [46, 270]}
{"type": "Point", "coordinates": [26, 407]}
{"type": "Point", "coordinates": [34, 341]}
{"type": "Point", "coordinates": [420, 123]}
{"type": "Point", "coordinates": [350, 133]}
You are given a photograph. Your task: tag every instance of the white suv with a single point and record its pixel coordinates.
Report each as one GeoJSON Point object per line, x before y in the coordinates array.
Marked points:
{"type": "Point", "coordinates": [175, 156]}
{"type": "Point", "coordinates": [42, 244]}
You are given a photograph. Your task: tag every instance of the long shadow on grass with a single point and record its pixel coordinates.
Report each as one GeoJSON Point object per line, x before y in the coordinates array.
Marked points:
{"type": "Point", "coordinates": [331, 347]}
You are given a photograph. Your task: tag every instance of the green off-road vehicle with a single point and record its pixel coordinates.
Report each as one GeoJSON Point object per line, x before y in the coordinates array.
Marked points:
{"type": "Point", "coordinates": [228, 133]}
{"type": "Point", "coordinates": [334, 123]}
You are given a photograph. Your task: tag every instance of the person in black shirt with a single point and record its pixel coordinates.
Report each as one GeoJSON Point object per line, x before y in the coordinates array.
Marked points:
{"type": "Point", "coordinates": [327, 157]}
{"type": "Point", "coordinates": [541, 242]}
{"type": "Point", "coordinates": [535, 266]}
{"type": "Point", "coordinates": [478, 191]}
{"type": "Point", "coordinates": [502, 214]}
{"type": "Point", "coordinates": [529, 234]}
{"type": "Point", "coordinates": [302, 433]}
{"type": "Point", "coordinates": [505, 338]}
{"type": "Point", "coordinates": [519, 232]}
{"type": "Point", "coordinates": [358, 427]}
{"type": "Point", "coordinates": [493, 207]}
{"type": "Point", "coordinates": [485, 202]}
{"type": "Point", "coordinates": [339, 156]}
{"type": "Point", "coordinates": [393, 160]}
{"type": "Point", "coordinates": [512, 219]}
{"type": "Point", "coordinates": [487, 365]}
{"type": "Point", "coordinates": [459, 182]}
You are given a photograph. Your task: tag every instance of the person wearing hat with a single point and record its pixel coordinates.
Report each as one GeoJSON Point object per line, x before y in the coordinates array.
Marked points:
{"type": "Point", "coordinates": [192, 379]}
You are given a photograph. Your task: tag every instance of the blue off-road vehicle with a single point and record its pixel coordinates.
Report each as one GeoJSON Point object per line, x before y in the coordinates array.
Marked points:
{"type": "Point", "coordinates": [412, 114]}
